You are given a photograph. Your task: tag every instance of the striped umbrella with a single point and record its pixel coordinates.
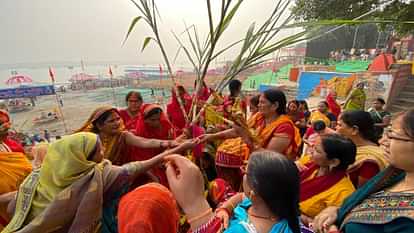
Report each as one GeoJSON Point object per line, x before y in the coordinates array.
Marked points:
{"type": "Point", "coordinates": [19, 79]}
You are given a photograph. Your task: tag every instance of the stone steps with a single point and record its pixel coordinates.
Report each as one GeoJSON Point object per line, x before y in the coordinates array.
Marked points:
{"type": "Point", "coordinates": [405, 99]}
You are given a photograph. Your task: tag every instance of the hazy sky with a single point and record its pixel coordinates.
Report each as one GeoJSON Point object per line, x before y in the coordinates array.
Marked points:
{"type": "Point", "coordinates": [67, 30]}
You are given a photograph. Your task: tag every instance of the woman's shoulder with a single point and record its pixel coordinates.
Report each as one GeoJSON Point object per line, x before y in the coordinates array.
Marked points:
{"type": "Point", "coordinates": [370, 149]}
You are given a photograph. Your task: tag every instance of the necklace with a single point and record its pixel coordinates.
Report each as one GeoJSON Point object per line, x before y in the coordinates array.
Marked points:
{"type": "Point", "coordinates": [269, 218]}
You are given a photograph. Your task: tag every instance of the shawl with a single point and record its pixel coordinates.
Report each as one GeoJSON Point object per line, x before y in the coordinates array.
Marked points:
{"type": "Point", "coordinates": [115, 144]}
{"type": "Point", "coordinates": [334, 107]}
{"type": "Point", "coordinates": [356, 100]}
{"type": "Point", "coordinates": [174, 110]}
{"type": "Point", "coordinates": [316, 185]}
{"type": "Point", "coordinates": [387, 178]}
{"type": "Point", "coordinates": [148, 209]}
{"type": "Point", "coordinates": [66, 193]}
{"type": "Point", "coordinates": [266, 132]}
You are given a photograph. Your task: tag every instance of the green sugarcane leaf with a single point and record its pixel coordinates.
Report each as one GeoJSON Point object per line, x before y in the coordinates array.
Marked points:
{"type": "Point", "coordinates": [146, 42]}
{"type": "Point", "coordinates": [131, 27]}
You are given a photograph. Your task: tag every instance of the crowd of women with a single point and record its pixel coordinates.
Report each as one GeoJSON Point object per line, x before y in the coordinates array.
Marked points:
{"type": "Point", "coordinates": [277, 168]}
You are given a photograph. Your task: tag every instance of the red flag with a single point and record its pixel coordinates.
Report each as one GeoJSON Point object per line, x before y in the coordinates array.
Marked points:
{"type": "Point", "coordinates": [52, 74]}
{"type": "Point", "coordinates": [274, 67]}
{"type": "Point", "coordinates": [110, 71]}
{"type": "Point", "coordinates": [160, 71]}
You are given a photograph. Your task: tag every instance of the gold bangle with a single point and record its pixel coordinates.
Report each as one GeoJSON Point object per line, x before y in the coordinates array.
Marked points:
{"type": "Point", "coordinates": [198, 217]}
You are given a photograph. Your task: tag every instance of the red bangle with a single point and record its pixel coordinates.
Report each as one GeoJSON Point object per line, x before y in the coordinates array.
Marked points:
{"type": "Point", "coordinates": [212, 226]}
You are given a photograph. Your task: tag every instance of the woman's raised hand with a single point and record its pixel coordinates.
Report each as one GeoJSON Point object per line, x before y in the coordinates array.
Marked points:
{"type": "Point", "coordinates": [187, 184]}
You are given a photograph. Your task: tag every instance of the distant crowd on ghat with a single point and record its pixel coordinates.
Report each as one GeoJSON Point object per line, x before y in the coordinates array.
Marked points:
{"type": "Point", "coordinates": [245, 166]}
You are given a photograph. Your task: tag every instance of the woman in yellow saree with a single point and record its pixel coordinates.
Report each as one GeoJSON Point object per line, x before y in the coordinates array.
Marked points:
{"type": "Point", "coordinates": [324, 181]}
{"type": "Point", "coordinates": [356, 100]}
{"type": "Point", "coordinates": [323, 114]}
{"type": "Point", "coordinates": [74, 188]}
{"type": "Point", "coordinates": [359, 127]}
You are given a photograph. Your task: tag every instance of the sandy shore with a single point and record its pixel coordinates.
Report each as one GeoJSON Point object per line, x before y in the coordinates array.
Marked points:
{"type": "Point", "coordinates": [78, 105]}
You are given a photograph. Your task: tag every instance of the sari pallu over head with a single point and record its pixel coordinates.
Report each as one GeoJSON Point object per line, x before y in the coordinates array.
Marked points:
{"type": "Point", "coordinates": [164, 132]}
{"type": "Point", "coordinates": [66, 193]}
{"type": "Point", "coordinates": [5, 122]}
{"type": "Point", "coordinates": [115, 144]}
{"type": "Point", "coordinates": [266, 133]}
{"type": "Point", "coordinates": [148, 209]}
{"type": "Point", "coordinates": [356, 101]}
{"type": "Point", "coordinates": [318, 116]}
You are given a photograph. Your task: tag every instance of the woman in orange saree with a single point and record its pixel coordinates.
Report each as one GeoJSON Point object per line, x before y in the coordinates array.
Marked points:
{"type": "Point", "coordinates": [274, 129]}
{"type": "Point", "coordinates": [107, 123]}
{"type": "Point", "coordinates": [14, 166]}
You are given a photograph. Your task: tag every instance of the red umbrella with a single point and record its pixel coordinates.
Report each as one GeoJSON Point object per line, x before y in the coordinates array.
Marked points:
{"type": "Point", "coordinates": [19, 79]}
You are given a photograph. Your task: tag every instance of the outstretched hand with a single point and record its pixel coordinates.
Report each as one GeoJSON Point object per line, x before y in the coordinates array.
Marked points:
{"type": "Point", "coordinates": [185, 145]}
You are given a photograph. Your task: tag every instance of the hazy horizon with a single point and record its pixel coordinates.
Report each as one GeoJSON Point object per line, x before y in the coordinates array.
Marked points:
{"type": "Point", "coordinates": [57, 31]}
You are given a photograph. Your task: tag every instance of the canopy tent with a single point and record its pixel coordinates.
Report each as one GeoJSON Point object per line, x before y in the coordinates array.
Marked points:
{"type": "Point", "coordinates": [19, 79]}
{"type": "Point", "coordinates": [382, 63]}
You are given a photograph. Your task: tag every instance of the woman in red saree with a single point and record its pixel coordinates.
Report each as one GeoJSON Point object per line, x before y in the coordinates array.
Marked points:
{"type": "Point", "coordinates": [153, 124]}
{"type": "Point", "coordinates": [7, 144]}
{"type": "Point", "coordinates": [324, 181]}
{"type": "Point", "coordinates": [334, 107]}
{"type": "Point", "coordinates": [130, 115]}
{"type": "Point", "coordinates": [174, 111]}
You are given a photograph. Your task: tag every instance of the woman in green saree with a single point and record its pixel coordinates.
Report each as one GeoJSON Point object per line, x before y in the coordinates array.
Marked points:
{"type": "Point", "coordinates": [75, 190]}
{"type": "Point", "coordinates": [386, 202]}
{"type": "Point", "coordinates": [356, 100]}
